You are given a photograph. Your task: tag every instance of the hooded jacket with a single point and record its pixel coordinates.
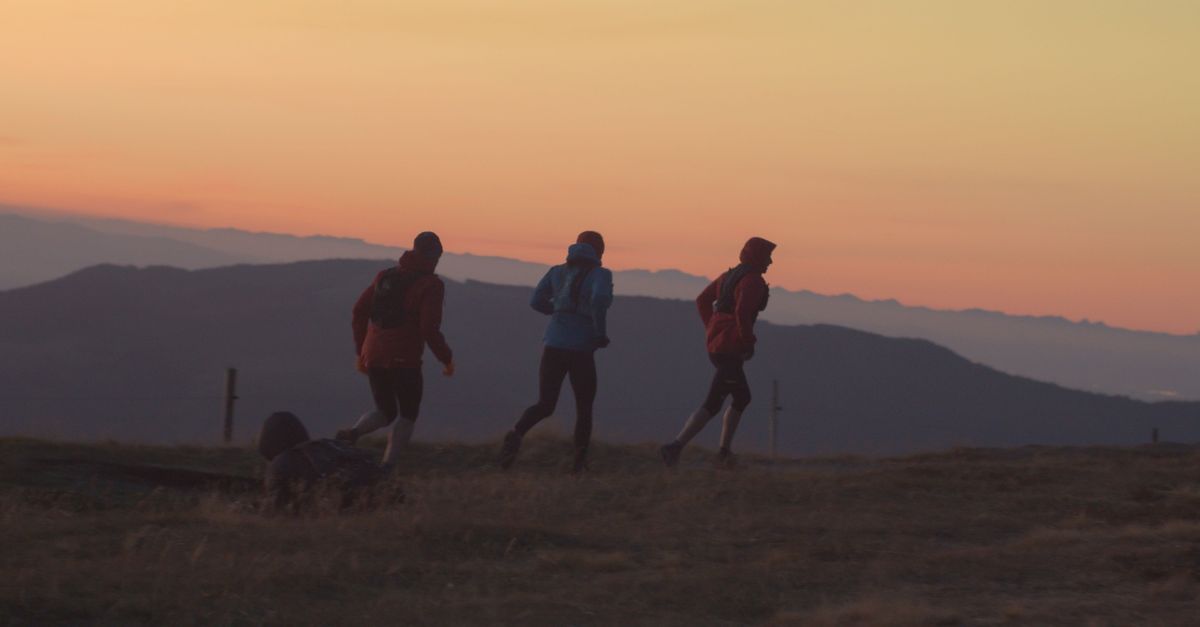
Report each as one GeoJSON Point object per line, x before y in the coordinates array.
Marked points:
{"type": "Point", "coordinates": [732, 332]}
{"type": "Point", "coordinates": [402, 346]}
{"type": "Point", "coordinates": [577, 295]}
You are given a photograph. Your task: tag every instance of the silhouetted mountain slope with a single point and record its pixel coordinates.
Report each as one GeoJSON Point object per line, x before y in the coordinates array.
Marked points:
{"type": "Point", "coordinates": [1084, 355]}
{"type": "Point", "coordinates": [139, 354]}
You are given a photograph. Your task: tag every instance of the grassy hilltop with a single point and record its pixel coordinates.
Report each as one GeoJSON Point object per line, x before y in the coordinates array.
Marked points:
{"type": "Point", "coordinates": [976, 537]}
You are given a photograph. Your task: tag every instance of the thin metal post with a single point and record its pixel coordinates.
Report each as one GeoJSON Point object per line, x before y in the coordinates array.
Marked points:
{"type": "Point", "coordinates": [1154, 435]}
{"type": "Point", "coordinates": [230, 397]}
{"type": "Point", "coordinates": [774, 424]}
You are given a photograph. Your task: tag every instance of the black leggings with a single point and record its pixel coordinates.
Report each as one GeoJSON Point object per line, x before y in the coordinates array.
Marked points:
{"type": "Point", "coordinates": [397, 391]}
{"type": "Point", "coordinates": [558, 363]}
{"type": "Point", "coordinates": [730, 379]}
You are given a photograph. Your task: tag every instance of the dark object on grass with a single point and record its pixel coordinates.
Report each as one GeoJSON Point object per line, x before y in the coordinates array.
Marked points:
{"type": "Point", "coordinates": [153, 475]}
{"type": "Point", "coordinates": [300, 468]}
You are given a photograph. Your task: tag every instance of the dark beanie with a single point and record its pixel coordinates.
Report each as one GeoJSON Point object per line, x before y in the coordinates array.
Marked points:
{"type": "Point", "coordinates": [428, 245]}
{"type": "Point", "coordinates": [593, 239]}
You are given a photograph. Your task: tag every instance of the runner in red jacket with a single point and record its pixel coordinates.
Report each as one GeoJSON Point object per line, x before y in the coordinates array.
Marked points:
{"type": "Point", "coordinates": [729, 307]}
{"type": "Point", "coordinates": [394, 319]}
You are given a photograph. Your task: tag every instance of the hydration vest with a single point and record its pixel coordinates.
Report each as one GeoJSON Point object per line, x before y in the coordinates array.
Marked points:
{"type": "Point", "coordinates": [567, 296]}
{"type": "Point", "coordinates": [725, 302]}
{"type": "Point", "coordinates": [387, 307]}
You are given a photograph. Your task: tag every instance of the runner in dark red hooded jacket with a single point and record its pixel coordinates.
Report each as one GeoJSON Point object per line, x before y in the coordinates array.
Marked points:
{"type": "Point", "coordinates": [729, 307]}
{"type": "Point", "coordinates": [394, 319]}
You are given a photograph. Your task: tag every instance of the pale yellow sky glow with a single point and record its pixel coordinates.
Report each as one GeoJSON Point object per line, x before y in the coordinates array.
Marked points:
{"type": "Point", "coordinates": [1027, 156]}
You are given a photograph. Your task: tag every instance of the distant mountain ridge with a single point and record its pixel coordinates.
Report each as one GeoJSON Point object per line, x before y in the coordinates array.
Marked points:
{"type": "Point", "coordinates": [139, 354]}
{"type": "Point", "coordinates": [32, 251]}
{"type": "Point", "coordinates": [1085, 355]}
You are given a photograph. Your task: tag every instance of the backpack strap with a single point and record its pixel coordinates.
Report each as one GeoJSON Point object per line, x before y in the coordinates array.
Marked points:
{"type": "Point", "coordinates": [577, 285]}
{"type": "Point", "coordinates": [726, 301]}
{"type": "Point", "coordinates": [387, 306]}
{"type": "Point", "coordinates": [567, 297]}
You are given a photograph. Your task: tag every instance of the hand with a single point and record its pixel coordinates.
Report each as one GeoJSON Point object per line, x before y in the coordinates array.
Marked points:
{"type": "Point", "coordinates": [448, 370]}
{"type": "Point", "coordinates": [360, 365]}
{"type": "Point", "coordinates": [750, 354]}
{"type": "Point", "coordinates": [603, 342]}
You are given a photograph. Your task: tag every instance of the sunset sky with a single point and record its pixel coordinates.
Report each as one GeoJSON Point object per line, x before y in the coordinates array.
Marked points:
{"type": "Point", "coordinates": [1036, 157]}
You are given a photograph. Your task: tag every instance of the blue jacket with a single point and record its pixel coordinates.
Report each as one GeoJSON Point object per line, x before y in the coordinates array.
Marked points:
{"type": "Point", "coordinates": [577, 322]}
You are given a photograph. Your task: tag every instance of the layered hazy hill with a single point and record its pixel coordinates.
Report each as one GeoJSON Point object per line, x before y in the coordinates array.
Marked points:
{"type": "Point", "coordinates": [32, 251]}
{"type": "Point", "coordinates": [140, 353]}
{"type": "Point", "coordinates": [1084, 355]}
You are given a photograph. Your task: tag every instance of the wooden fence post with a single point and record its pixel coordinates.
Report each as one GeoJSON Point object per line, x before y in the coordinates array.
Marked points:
{"type": "Point", "coordinates": [773, 429]}
{"type": "Point", "coordinates": [230, 397]}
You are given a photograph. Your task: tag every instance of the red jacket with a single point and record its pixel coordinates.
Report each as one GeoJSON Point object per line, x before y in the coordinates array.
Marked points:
{"type": "Point", "coordinates": [733, 333]}
{"type": "Point", "coordinates": [402, 346]}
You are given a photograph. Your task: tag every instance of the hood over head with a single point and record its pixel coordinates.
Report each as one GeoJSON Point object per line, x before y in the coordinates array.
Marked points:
{"type": "Point", "coordinates": [593, 239]}
{"type": "Point", "coordinates": [412, 260]}
{"type": "Point", "coordinates": [757, 253]}
{"type": "Point", "coordinates": [582, 254]}
{"type": "Point", "coordinates": [428, 245]}
{"type": "Point", "coordinates": [281, 431]}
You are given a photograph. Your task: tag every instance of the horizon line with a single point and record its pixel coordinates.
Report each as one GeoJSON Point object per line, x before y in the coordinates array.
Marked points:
{"type": "Point", "coordinates": [25, 211]}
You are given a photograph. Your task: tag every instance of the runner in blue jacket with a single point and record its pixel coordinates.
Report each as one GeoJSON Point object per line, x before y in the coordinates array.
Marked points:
{"type": "Point", "coordinates": [576, 295]}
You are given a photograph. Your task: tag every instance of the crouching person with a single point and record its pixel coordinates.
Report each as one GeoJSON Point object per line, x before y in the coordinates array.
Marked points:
{"type": "Point", "coordinates": [299, 468]}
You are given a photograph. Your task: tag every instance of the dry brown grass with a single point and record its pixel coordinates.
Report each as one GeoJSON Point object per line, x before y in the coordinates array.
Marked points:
{"type": "Point", "coordinates": [1029, 536]}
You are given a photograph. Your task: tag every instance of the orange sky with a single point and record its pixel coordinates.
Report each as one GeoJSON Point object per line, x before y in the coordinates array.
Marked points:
{"type": "Point", "coordinates": [1026, 156]}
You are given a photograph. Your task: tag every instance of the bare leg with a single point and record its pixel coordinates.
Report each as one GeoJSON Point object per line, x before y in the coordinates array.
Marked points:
{"type": "Point", "coordinates": [398, 438]}
{"type": "Point", "coordinates": [383, 392]}
{"type": "Point", "coordinates": [695, 423]}
{"type": "Point", "coordinates": [370, 421]}
{"type": "Point", "coordinates": [733, 416]}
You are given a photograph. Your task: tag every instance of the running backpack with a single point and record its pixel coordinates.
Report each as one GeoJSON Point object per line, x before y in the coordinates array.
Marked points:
{"type": "Point", "coordinates": [387, 308]}
{"type": "Point", "coordinates": [567, 296]}
{"type": "Point", "coordinates": [725, 302]}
